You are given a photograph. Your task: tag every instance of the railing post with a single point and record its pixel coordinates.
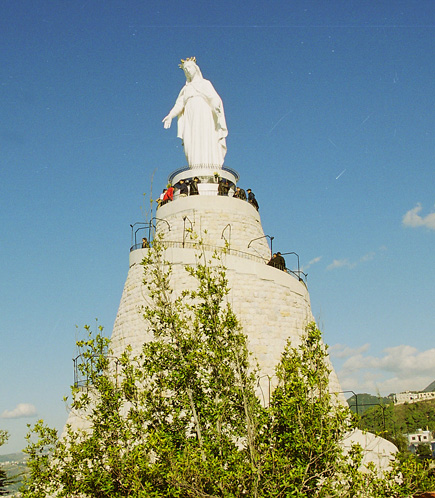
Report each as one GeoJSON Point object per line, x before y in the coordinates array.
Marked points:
{"type": "Point", "coordinates": [223, 237]}
{"type": "Point", "coordinates": [184, 227]}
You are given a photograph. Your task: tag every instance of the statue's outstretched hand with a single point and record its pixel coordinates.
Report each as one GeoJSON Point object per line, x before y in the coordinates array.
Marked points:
{"type": "Point", "coordinates": [167, 122]}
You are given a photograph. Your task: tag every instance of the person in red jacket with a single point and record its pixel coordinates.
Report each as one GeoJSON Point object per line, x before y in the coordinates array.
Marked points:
{"type": "Point", "coordinates": [169, 195]}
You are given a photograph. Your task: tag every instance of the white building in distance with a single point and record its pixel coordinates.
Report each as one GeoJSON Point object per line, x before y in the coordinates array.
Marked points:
{"type": "Point", "coordinates": [412, 397]}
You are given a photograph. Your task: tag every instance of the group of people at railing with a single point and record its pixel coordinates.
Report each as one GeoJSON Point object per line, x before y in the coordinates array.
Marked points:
{"type": "Point", "coordinates": [190, 187]}
{"type": "Point", "coordinates": [241, 194]}
{"type": "Point", "coordinates": [185, 188]}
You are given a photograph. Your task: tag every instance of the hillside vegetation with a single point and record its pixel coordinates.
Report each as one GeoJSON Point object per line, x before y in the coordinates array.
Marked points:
{"type": "Point", "coordinates": [430, 388]}
{"type": "Point", "coordinates": [392, 421]}
{"type": "Point", "coordinates": [360, 403]}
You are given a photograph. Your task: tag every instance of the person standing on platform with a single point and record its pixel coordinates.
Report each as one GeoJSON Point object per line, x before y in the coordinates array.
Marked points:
{"type": "Point", "coordinates": [193, 186]}
{"type": "Point", "coordinates": [252, 200]}
{"type": "Point", "coordinates": [272, 261]}
{"type": "Point", "coordinates": [279, 262]}
{"type": "Point", "coordinates": [224, 187]}
{"type": "Point", "coordinates": [169, 195]}
{"type": "Point", "coordinates": [240, 194]}
{"type": "Point", "coordinates": [182, 186]}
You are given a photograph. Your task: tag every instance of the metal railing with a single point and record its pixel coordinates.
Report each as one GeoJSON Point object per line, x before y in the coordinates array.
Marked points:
{"type": "Point", "coordinates": [358, 406]}
{"type": "Point", "coordinates": [83, 381]}
{"type": "Point", "coordinates": [211, 248]}
{"type": "Point", "coordinates": [263, 237]}
{"type": "Point", "coordinates": [191, 172]}
{"type": "Point", "coordinates": [298, 274]}
{"type": "Point", "coordinates": [134, 247]}
{"type": "Point", "coordinates": [143, 225]}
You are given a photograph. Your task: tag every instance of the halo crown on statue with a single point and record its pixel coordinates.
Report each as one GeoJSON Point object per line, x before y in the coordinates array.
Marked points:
{"type": "Point", "coordinates": [201, 119]}
{"type": "Point", "coordinates": [181, 66]}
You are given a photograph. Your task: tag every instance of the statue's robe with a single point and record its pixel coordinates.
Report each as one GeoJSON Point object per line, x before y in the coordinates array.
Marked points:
{"type": "Point", "coordinates": [201, 124]}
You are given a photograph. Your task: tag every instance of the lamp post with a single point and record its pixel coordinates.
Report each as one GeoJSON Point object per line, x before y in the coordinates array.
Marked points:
{"type": "Point", "coordinates": [356, 399]}
{"type": "Point", "coordinates": [223, 236]}
{"type": "Point", "coordinates": [184, 227]}
{"type": "Point", "coordinates": [161, 219]}
{"type": "Point", "coordinates": [271, 242]}
{"type": "Point", "coordinates": [297, 255]}
{"type": "Point", "coordinates": [133, 232]}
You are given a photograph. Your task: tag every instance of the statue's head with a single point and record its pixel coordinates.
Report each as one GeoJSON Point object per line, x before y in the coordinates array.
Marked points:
{"type": "Point", "coordinates": [190, 68]}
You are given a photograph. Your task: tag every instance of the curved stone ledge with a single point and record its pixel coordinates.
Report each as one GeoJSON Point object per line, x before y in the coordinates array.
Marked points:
{"type": "Point", "coordinates": [185, 256]}
{"type": "Point", "coordinates": [218, 203]}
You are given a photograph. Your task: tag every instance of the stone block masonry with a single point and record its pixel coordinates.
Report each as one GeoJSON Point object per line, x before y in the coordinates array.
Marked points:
{"type": "Point", "coordinates": [216, 220]}
{"type": "Point", "coordinates": [270, 304]}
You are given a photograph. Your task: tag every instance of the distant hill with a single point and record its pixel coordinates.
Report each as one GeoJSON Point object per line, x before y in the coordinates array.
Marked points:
{"type": "Point", "coordinates": [13, 457]}
{"type": "Point", "coordinates": [365, 401]}
{"type": "Point", "coordinates": [430, 388]}
{"type": "Point", "coordinates": [14, 464]}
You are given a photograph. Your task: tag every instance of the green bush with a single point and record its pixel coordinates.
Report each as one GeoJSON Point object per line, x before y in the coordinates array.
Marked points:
{"type": "Point", "coordinates": [182, 419]}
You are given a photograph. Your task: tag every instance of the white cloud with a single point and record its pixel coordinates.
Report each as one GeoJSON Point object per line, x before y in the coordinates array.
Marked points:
{"type": "Point", "coordinates": [345, 263]}
{"type": "Point", "coordinates": [397, 369]}
{"type": "Point", "coordinates": [315, 260]}
{"type": "Point", "coordinates": [343, 351]}
{"type": "Point", "coordinates": [22, 410]}
{"type": "Point", "coordinates": [311, 263]}
{"type": "Point", "coordinates": [405, 359]}
{"type": "Point", "coordinates": [367, 257]}
{"type": "Point", "coordinates": [413, 219]}
{"type": "Point", "coordinates": [340, 263]}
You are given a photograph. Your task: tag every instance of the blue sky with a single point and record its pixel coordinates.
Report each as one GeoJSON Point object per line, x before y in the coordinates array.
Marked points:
{"type": "Point", "coordinates": [330, 111]}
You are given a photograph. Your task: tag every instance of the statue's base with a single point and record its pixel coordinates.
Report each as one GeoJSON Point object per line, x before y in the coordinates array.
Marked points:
{"type": "Point", "coordinates": [207, 188]}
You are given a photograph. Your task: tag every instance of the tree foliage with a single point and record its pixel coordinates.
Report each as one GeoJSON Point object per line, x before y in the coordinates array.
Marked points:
{"type": "Point", "coordinates": [182, 418]}
{"type": "Point", "coordinates": [4, 479]}
{"type": "Point", "coordinates": [4, 436]}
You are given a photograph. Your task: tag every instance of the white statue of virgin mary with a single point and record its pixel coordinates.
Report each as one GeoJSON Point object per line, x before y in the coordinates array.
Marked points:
{"type": "Point", "coordinates": [201, 119]}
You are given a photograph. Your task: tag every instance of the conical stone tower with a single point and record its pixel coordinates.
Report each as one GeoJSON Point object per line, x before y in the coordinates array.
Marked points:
{"type": "Point", "coordinates": [272, 305]}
